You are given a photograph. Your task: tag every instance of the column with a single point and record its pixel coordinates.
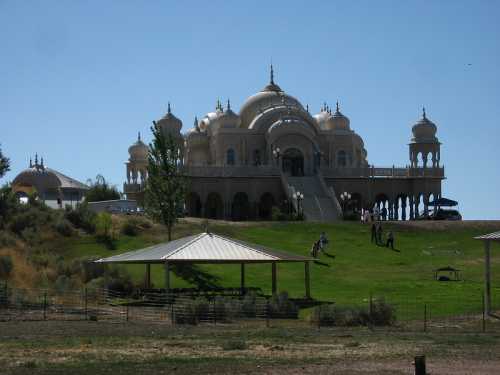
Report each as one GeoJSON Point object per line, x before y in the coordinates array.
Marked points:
{"type": "Point", "coordinates": [167, 277]}
{"type": "Point", "coordinates": [426, 204]}
{"type": "Point", "coordinates": [487, 277]}
{"type": "Point", "coordinates": [396, 207]}
{"type": "Point", "coordinates": [412, 214]}
{"type": "Point", "coordinates": [148, 276]}
{"type": "Point", "coordinates": [274, 284]}
{"type": "Point", "coordinates": [242, 278]}
{"type": "Point", "coordinates": [403, 208]}
{"type": "Point", "coordinates": [307, 280]}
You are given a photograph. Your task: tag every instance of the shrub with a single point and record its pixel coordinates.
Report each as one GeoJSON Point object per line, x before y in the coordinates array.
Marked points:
{"type": "Point", "coordinates": [277, 214]}
{"type": "Point", "coordinates": [6, 266]}
{"type": "Point", "coordinates": [63, 284]}
{"type": "Point", "coordinates": [81, 217]}
{"type": "Point", "coordinates": [380, 314]}
{"type": "Point", "coordinates": [280, 306]}
{"type": "Point", "coordinates": [6, 239]}
{"type": "Point", "coordinates": [248, 306]}
{"type": "Point", "coordinates": [133, 225]}
{"type": "Point", "coordinates": [64, 227]}
{"type": "Point", "coordinates": [235, 344]}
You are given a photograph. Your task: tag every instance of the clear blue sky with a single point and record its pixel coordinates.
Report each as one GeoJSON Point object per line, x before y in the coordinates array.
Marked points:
{"type": "Point", "coordinates": [79, 79]}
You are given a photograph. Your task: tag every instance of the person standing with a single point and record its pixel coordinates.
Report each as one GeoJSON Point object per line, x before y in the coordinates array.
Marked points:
{"type": "Point", "coordinates": [390, 240]}
{"type": "Point", "coordinates": [374, 233]}
{"type": "Point", "coordinates": [323, 241]}
{"type": "Point", "coordinates": [379, 234]}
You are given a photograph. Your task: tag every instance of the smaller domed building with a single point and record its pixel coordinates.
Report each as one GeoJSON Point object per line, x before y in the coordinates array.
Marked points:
{"type": "Point", "coordinates": [54, 188]}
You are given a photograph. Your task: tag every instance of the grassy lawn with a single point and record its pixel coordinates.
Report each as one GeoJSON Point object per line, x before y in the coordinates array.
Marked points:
{"type": "Point", "coordinates": [353, 269]}
{"type": "Point", "coordinates": [104, 348]}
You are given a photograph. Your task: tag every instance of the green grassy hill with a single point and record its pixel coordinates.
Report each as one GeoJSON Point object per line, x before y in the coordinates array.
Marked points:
{"type": "Point", "coordinates": [353, 269]}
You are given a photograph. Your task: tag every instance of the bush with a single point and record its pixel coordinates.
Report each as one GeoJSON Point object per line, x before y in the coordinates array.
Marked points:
{"type": "Point", "coordinates": [64, 227]}
{"type": "Point", "coordinates": [64, 284]}
{"type": "Point", "coordinates": [280, 306]}
{"type": "Point", "coordinates": [235, 344]}
{"type": "Point", "coordinates": [81, 217]}
{"type": "Point", "coordinates": [6, 239]}
{"type": "Point", "coordinates": [192, 311]}
{"type": "Point", "coordinates": [6, 266]}
{"type": "Point", "coordinates": [133, 225]}
{"type": "Point", "coordinates": [380, 314]}
{"type": "Point", "coordinates": [277, 214]}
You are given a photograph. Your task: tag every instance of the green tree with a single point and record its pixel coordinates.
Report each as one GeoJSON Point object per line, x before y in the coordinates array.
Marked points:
{"type": "Point", "coordinates": [166, 184]}
{"type": "Point", "coordinates": [101, 190]}
{"type": "Point", "coordinates": [4, 164]}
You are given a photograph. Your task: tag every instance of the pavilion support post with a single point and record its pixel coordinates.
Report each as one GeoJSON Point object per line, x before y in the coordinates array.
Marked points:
{"type": "Point", "coordinates": [148, 276]}
{"type": "Point", "coordinates": [307, 280]}
{"type": "Point", "coordinates": [487, 277]}
{"type": "Point", "coordinates": [167, 277]}
{"type": "Point", "coordinates": [242, 281]}
{"type": "Point", "coordinates": [274, 284]}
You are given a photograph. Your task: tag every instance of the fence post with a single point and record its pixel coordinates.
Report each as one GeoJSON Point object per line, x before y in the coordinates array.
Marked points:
{"type": "Point", "coordinates": [371, 304]}
{"type": "Point", "coordinates": [215, 313]}
{"type": "Point", "coordinates": [172, 313]}
{"type": "Point", "coordinates": [127, 313]}
{"type": "Point", "coordinates": [85, 303]}
{"type": "Point", "coordinates": [45, 306]}
{"type": "Point", "coordinates": [425, 317]}
{"type": "Point", "coordinates": [484, 313]}
{"type": "Point", "coordinates": [267, 313]}
{"type": "Point", "coordinates": [420, 365]}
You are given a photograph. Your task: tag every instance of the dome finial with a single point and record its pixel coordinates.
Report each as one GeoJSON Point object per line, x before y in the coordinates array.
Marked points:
{"type": "Point", "coordinates": [41, 162]}
{"type": "Point", "coordinates": [138, 136]}
{"type": "Point", "coordinates": [272, 74]}
{"type": "Point", "coordinates": [228, 104]}
{"type": "Point", "coordinates": [196, 126]}
{"type": "Point", "coordinates": [169, 109]}
{"type": "Point", "coordinates": [423, 113]}
{"type": "Point", "coordinates": [31, 163]}
{"type": "Point", "coordinates": [36, 159]}
{"type": "Point", "coordinates": [338, 109]}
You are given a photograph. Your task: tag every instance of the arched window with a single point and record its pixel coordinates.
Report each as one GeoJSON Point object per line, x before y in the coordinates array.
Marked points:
{"type": "Point", "coordinates": [230, 157]}
{"type": "Point", "coordinates": [341, 158]}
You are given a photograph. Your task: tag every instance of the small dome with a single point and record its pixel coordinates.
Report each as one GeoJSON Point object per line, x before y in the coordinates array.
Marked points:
{"type": "Point", "coordinates": [337, 121]}
{"type": "Point", "coordinates": [322, 116]}
{"type": "Point", "coordinates": [424, 130]}
{"type": "Point", "coordinates": [42, 178]}
{"type": "Point", "coordinates": [139, 150]}
{"type": "Point", "coordinates": [169, 123]}
{"type": "Point", "coordinates": [195, 134]}
{"type": "Point", "coordinates": [227, 118]}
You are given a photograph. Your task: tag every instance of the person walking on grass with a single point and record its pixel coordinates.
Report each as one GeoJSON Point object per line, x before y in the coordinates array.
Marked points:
{"type": "Point", "coordinates": [323, 241]}
{"type": "Point", "coordinates": [374, 233]}
{"type": "Point", "coordinates": [390, 240]}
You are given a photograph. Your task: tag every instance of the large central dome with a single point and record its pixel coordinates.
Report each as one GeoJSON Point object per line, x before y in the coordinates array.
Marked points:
{"type": "Point", "coordinates": [270, 96]}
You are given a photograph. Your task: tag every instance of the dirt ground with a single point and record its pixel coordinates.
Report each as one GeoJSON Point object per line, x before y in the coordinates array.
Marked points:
{"type": "Point", "coordinates": [104, 348]}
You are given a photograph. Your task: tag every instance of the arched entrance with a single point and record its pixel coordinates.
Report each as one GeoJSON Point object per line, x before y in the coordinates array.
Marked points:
{"type": "Point", "coordinates": [214, 208]}
{"type": "Point", "coordinates": [193, 205]}
{"type": "Point", "coordinates": [266, 206]}
{"type": "Point", "coordinates": [241, 207]}
{"type": "Point", "coordinates": [293, 162]}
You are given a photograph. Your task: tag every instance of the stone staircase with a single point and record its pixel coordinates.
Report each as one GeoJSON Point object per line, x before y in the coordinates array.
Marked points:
{"type": "Point", "coordinates": [319, 203]}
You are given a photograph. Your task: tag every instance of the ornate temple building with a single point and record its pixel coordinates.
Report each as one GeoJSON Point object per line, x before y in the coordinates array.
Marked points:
{"type": "Point", "coordinates": [275, 153]}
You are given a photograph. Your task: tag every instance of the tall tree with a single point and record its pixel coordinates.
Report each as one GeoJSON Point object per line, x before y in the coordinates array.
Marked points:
{"type": "Point", "coordinates": [4, 164]}
{"type": "Point", "coordinates": [166, 184]}
{"type": "Point", "coordinates": [101, 190]}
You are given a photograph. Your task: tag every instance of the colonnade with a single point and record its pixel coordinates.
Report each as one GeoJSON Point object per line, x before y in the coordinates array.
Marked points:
{"type": "Point", "coordinates": [404, 207]}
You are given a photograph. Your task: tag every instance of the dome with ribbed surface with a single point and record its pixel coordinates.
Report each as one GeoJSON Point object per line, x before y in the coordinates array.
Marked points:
{"type": "Point", "coordinates": [169, 123]}
{"type": "Point", "coordinates": [424, 130]}
{"type": "Point", "coordinates": [337, 121]}
{"type": "Point", "coordinates": [139, 150]}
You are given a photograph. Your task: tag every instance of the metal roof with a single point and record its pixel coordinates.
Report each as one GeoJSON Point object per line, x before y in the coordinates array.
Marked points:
{"type": "Point", "coordinates": [204, 248]}
{"type": "Point", "coordinates": [495, 236]}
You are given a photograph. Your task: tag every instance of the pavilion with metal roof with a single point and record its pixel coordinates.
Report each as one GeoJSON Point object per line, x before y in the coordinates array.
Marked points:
{"type": "Point", "coordinates": [209, 248]}
{"type": "Point", "coordinates": [487, 238]}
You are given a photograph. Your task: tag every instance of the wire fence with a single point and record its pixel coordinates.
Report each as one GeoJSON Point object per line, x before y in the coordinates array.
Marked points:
{"type": "Point", "coordinates": [377, 312]}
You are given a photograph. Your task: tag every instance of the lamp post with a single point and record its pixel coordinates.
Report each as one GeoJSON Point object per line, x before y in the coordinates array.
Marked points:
{"type": "Point", "coordinates": [299, 197]}
{"type": "Point", "coordinates": [345, 197]}
{"type": "Point", "coordinates": [276, 154]}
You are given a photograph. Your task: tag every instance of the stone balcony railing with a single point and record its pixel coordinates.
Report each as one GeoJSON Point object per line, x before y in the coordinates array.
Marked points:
{"type": "Point", "coordinates": [274, 171]}
{"type": "Point", "coordinates": [391, 172]}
